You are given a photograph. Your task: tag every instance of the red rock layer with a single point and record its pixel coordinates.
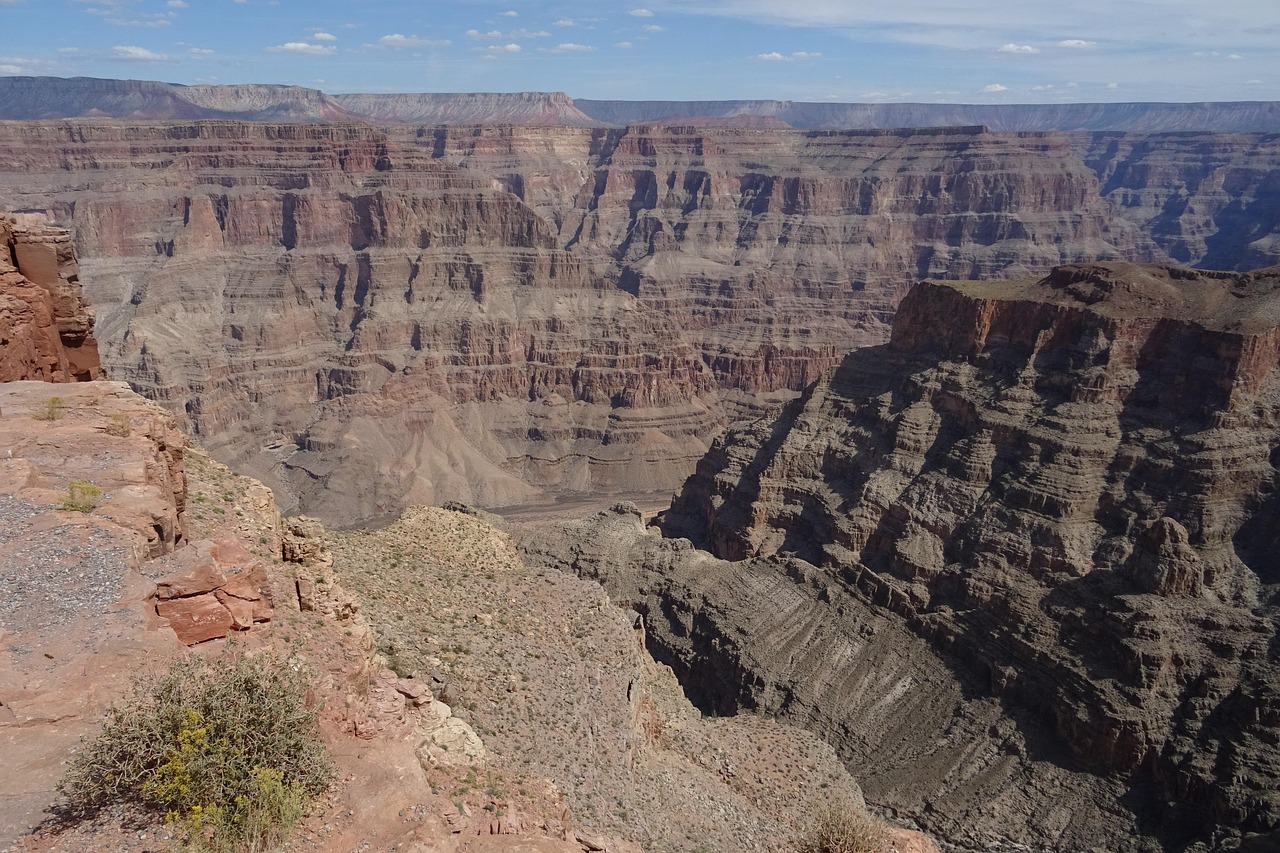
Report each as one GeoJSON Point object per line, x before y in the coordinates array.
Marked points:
{"type": "Point", "coordinates": [416, 314]}
{"type": "Point", "coordinates": [46, 331]}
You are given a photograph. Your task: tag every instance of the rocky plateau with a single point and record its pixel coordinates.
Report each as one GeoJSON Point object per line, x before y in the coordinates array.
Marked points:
{"type": "Point", "coordinates": [1017, 564]}
{"type": "Point", "coordinates": [372, 317]}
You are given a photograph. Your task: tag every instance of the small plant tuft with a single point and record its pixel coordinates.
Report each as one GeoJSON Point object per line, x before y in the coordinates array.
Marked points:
{"type": "Point", "coordinates": [53, 408]}
{"type": "Point", "coordinates": [121, 425]}
{"type": "Point", "coordinates": [81, 496]}
{"type": "Point", "coordinates": [845, 828]}
{"type": "Point", "coordinates": [225, 750]}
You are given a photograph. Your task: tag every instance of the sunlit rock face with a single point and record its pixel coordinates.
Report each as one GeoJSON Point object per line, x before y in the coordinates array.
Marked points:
{"type": "Point", "coordinates": [368, 317]}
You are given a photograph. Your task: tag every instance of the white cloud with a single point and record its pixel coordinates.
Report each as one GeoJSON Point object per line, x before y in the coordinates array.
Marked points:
{"type": "Point", "coordinates": [1018, 48]}
{"type": "Point", "coordinates": [399, 40]}
{"type": "Point", "coordinates": [12, 69]}
{"type": "Point", "coordinates": [323, 37]}
{"type": "Point", "coordinates": [775, 56]}
{"type": "Point", "coordinates": [570, 47]}
{"type": "Point", "coordinates": [529, 34]}
{"type": "Point", "coordinates": [304, 48]}
{"type": "Point", "coordinates": [133, 53]}
{"type": "Point", "coordinates": [511, 13]}
{"type": "Point", "coordinates": [489, 36]}
{"type": "Point", "coordinates": [200, 51]}
{"type": "Point", "coordinates": [1113, 85]}
{"type": "Point", "coordinates": [1253, 82]}
{"type": "Point", "coordinates": [626, 45]}
{"type": "Point", "coordinates": [1077, 43]}
{"type": "Point", "coordinates": [566, 22]}
{"type": "Point", "coordinates": [995, 87]}
{"type": "Point", "coordinates": [652, 28]}
{"type": "Point", "coordinates": [505, 48]}
{"type": "Point", "coordinates": [178, 4]}
{"type": "Point", "coordinates": [1234, 56]}
{"type": "Point", "coordinates": [641, 13]}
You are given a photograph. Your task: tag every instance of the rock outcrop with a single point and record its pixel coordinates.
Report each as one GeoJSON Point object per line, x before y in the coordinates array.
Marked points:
{"type": "Point", "coordinates": [416, 314]}
{"type": "Point", "coordinates": [46, 330]}
{"type": "Point", "coordinates": [1065, 485]}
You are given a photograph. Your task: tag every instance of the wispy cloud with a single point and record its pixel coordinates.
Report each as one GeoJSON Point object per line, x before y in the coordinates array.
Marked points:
{"type": "Point", "coordinates": [1018, 48]}
{"type": "Point", "coordinates": [652, 28]}
{"type": "Point", "coordinates": [570, 47]}
{"type": "Point", "coordinates": [133, 53]}
{"type": "Point", "coordinates": [1077, 44]}
{"type": "Point", "coordinates": [775, 56]}
{"type": "Point", "coordinates": [399, 40]}
{"type": "Point", "coordinates": [566, 22]}
{"type": "Point", "coordinates": [995, 87]}
{"type": "Point", "coordinates": [479, 36]}
{"type": "Point", "coordinates": [305, 48]}
{"type": "Point", "coordinates": [641, 13]}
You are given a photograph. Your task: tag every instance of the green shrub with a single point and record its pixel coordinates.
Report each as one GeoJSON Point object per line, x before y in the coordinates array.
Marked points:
{"type": "Point", "coordinates": [846, 828]}
{"type": "Point", "coordinates": [81, 496]}
{"type": "Point", "coordinates": [225, 750]}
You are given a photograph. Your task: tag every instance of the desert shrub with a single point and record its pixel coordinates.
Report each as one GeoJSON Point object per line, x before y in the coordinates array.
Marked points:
{"type": "Point", "coordinates": [845, 828]}
{"type": "Point", "coordinates": [121, 425]}
{"type": "Point", "coordinates": [52, 409]}
{"type": "Point", "coordinates": [226, 750]}
{"type": "Point", "coordinates": [81, 496]}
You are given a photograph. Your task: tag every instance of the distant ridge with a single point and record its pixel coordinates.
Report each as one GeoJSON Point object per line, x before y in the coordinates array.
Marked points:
{"type": "Point", "coordinates": [36, 98]}
{"type": "Point", "coordinates": [1226, 116]}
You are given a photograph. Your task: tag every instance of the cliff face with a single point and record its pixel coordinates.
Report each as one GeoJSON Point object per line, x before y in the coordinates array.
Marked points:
{"type": "Point", "coordinates": [46, 331]}
{"type": "Point", "coordinates": [487, 313]}
{"type": "Point", "coordinates": [1067, 485]}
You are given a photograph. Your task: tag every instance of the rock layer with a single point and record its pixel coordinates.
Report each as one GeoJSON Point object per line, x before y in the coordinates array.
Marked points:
{"type": "Point", "coordinates": [46, 330]}
{"type": "Point", "coordinates": [1067, 485]}
{"type": "Point", "coordinates": [409, 315]}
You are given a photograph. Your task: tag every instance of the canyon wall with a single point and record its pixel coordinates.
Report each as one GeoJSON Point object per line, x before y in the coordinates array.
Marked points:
{"type": "Point", "coordinates": [366, 317]}
{"type": "Point", "coordinates": [1066, 486]}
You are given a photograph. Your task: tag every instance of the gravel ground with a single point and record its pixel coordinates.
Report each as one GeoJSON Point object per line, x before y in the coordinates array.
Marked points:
{"type": "Point", "coordinates": [51, 577]}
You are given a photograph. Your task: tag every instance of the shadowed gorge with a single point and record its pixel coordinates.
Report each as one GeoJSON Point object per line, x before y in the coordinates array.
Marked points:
{"type": "Point", "coordinates": [1060, 490]}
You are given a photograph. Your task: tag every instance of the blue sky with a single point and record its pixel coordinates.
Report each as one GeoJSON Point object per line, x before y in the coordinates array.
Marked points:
{"type": "Point", "coordinates": [961, 51]}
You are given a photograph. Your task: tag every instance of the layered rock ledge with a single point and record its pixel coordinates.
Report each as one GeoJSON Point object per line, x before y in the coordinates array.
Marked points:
{"type": "Point", "coordinates": [1066, 486]}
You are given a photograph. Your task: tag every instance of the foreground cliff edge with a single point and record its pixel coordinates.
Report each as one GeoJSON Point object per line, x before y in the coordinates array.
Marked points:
{"type": "Point", "coordinates": [1043, 519]}
{"type": "Point", "coordinates": [523, 712]}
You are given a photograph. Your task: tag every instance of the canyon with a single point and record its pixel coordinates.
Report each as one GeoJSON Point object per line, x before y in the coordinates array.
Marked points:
{"type": "Point", "coordinates": [1017, 564]}
{"type": "Point", "coordinates": [975, 434]}
{"type": "Point", "coordinates": [367, 317]}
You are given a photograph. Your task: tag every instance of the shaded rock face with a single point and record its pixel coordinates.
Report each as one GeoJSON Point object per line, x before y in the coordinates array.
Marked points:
{"type": "Point", "coordinates": [46, 330]}
{"type": "Point", "coordinates": [1067, 485]}
{"type": "Point", "coordinates": [417, 314]}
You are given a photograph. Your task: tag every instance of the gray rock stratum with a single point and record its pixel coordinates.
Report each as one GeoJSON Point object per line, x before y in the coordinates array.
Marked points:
{"type": "Point", "coordinates": [1018, 564]}
{"type": "Point", "coordinates": [370, 317]}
